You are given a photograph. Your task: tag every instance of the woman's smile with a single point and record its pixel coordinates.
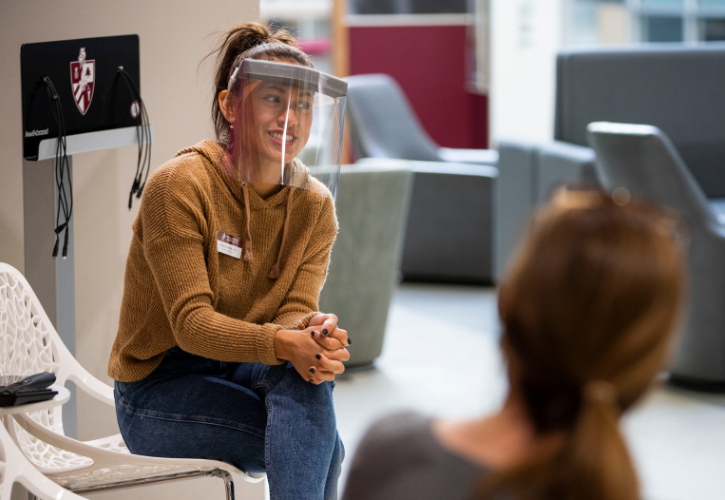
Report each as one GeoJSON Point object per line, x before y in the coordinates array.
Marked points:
{"type": "Point", "coordinates": [278, 135]}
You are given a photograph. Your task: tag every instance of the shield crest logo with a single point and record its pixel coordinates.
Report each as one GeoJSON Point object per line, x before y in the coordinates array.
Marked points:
{"type": "Point", "coordinates": [83, 77]}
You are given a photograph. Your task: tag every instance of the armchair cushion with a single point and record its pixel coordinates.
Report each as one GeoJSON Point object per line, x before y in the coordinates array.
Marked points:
{"type": "Point", "coordinates": [448, 237]}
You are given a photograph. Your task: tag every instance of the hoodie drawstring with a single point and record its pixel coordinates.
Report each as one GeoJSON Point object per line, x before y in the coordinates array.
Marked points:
{"type": "Point", "coordinates": [274, 272]}
{"type": "Point", "coordinates": [248, 255]}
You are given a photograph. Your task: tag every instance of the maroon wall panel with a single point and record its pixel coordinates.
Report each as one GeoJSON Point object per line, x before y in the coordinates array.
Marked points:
{"type": "Point", "coordinates": [429, 63]}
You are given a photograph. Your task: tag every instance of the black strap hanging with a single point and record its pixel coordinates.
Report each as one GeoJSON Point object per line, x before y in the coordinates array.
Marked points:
{"type": "Point", "coordinates": [143, 135]}
{"type": "Point", "coordinates": [62, 171]}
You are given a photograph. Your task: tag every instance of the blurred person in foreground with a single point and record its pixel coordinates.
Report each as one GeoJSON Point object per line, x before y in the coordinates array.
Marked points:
{"type": "Point", "coordinates": [588, 309]}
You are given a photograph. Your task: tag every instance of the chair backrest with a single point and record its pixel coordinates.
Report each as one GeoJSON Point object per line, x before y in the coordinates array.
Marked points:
{"type": "Point", "coordinates": [675, 88]}
{"type": "Point", "coordinates": [29, 344]}
{"type": "Point", "coordinates": [372, 209]}
{"type": "Point", "coordinates": [383, 123]}
{"type": "Point", "coordinates": [642, 159]}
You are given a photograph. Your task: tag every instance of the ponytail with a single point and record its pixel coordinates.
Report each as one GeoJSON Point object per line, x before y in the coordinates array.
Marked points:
{"type": "Point", "coordinates": [593, 463]}
{"type": "Point", "coordinates": [599, 465]}
{"type": "Point", "coordinates": [255, 41]}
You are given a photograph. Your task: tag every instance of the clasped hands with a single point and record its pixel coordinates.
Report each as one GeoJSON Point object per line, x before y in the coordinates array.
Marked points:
{"type": "Point", "coordinates": [316, 352]}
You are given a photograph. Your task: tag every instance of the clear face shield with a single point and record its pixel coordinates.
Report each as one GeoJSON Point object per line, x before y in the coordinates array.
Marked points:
{"type": "Point", "coordinates": [286, 127]}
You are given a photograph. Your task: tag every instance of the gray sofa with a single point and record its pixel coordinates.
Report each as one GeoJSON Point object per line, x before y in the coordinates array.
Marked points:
{"type": "Point", "coordinates": [449, 228]}
{"type": "Point", "coordinates": [674, 87]}
{"type": "Point", "coordinates": [372, 206]}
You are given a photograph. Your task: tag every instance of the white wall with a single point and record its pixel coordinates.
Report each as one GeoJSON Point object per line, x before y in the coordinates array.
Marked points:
{"type": "Point", "coordinates": [173, 42]}
{"type": "Point", "coordinates": [525, 37]}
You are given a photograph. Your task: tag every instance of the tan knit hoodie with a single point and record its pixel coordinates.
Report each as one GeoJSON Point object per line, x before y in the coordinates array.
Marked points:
{"type": "Point", "coordinates": [179, 290]}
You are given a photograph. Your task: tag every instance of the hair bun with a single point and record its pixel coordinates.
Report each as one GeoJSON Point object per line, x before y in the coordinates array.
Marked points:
{"type": "Point", "coordinates": [256, 41]}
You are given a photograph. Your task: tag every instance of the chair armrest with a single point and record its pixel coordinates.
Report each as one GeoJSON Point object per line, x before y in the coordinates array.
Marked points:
{"type": "Point", "coordinates": [560, 163]}
{"type": "Point", "coordinates": [572, 153]}
{"type": "Point", "coordinates": [448, 168]}
{"type": "Point", "coordinates": [375, 165]}
{"type": "Point", "coordinates": [71, 369]}
{"type": "Point", "coordinates": [430, 167]}
{"type": "Point", "coordinates": [480, 156]}
{"type": "Point", "coordinates": [107, 458]}
{"type": "Point", "coordinates": [94, 387]}
{"type": "Point", "coordinates": [101, 457]}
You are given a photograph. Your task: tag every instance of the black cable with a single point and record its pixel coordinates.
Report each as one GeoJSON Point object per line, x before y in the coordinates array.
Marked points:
{"type": "Point", "coordinates": [143, 136]}
{"type": "Point", "coordinates": [62, 170]}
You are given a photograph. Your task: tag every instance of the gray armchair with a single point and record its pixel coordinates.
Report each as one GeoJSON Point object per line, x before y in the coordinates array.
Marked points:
{"type": "Point", "coordinates": [643, 159]}
{"type": "Point", "coordinates": [372, 206]}
{"type": "Point", "coordinates": [676, 88]}
{"type": "Point", "coordinates": [528, 174]}
{"type": "Point", "coordinates": [448, 236]}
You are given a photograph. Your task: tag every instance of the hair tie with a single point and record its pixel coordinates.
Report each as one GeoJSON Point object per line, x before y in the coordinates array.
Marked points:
{"type": "Point", "coordinates": [599, 390]}
{"type": "Point", "coordinates": [621, 196]}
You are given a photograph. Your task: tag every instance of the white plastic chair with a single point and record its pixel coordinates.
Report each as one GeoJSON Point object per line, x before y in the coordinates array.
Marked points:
{"type": "Point", "coordinates": [16, 469]}
{"type": "Point", "coordinates": [29, 344]}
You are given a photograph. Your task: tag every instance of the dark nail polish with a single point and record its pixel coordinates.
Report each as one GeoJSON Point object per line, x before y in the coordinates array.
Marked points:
{"type": "Point", "coordinates": [311, 380]}
{"type": "Point", "coordinates": [313, 334]}
{"type": "Point", "coordinates": [349, 342]}
{"type": "Point", "coordinates": [324, 331]}
{"type": "Point", "coordinates": [318, 356]}
{"type": "Point", "coordinates": [312, 370]}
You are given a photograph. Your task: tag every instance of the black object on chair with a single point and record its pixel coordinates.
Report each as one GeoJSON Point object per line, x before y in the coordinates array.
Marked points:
{"type": "Point", "coordinates": [18, 390]}
{"type": "Point", "coordinates": [642, 159]}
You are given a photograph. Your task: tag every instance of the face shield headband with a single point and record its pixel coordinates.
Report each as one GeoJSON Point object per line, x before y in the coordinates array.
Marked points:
{"type": "Point", "coordinates": [286, 126]}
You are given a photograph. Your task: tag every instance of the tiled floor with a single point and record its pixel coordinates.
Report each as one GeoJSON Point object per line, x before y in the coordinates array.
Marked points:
{"type": "Point", "coordinates": [441, 357]}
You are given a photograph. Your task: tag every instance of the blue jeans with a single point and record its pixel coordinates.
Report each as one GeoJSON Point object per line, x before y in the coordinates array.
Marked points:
{"type": "Point", "coordinates": [256, 417]}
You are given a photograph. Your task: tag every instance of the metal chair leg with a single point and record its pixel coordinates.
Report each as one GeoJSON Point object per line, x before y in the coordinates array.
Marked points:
{"type": "Point", "coordinates": [228, 483]}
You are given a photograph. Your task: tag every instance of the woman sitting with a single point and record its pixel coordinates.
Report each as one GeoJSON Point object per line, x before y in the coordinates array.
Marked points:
{"type": "Point", "coordinates": [221, 352]}
{"type": "Point", "coordinates": [588, 310]}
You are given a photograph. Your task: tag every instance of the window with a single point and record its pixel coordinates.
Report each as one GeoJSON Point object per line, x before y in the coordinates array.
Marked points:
{"type": "Point", "coordinates": [712, 30]}
{"type": "Point", "coordinates": [622, 21]}
{"type": "Point", "coordinates": [663, 3]}
{"type": "Point", "coordinates": [408, 6]}
{"type": "Point", "coordinates": [597, 22]}
{"type": "Point", "coordinates": [662, 29]}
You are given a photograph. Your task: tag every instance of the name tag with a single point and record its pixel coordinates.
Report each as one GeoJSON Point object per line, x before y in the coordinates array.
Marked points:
{"type": "Point", "coordinates": [228, 244]}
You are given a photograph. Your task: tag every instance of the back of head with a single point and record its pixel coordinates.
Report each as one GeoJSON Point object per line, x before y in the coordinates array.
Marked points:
{"type": "Point", "coordinates": [588, 309]}
{"type": "Point", "coordinates": [254, 41]}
